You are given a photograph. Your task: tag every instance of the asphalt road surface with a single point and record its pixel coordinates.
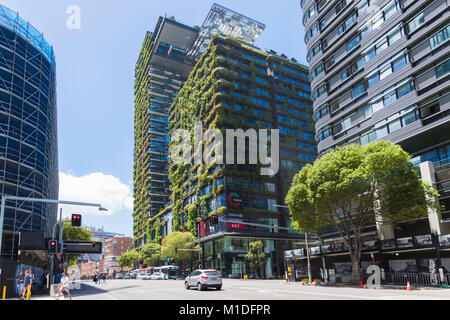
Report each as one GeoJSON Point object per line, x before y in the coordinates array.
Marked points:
{"type": "Point", "coordinates": [240, 290]}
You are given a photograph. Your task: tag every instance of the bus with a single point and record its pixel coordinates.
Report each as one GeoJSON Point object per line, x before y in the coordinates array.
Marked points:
{"type": "Point", "coordinates": [172, 272]}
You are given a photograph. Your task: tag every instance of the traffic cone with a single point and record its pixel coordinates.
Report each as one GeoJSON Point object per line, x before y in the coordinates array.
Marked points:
{"type": "Point", "coordinates": [315, 283]}
{"type": "Point", "coordinates": [303, 283]}
{"type": "Point", "coordinates": [362, 285]}
{"type": "Point", "coordinates": [408, 287]}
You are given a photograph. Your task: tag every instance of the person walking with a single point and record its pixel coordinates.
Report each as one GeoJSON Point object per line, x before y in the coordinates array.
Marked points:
{"type": "Point", "coordinates": [64, 286]}
{"type": "Point", "coordinates": [104, 278]}
{"type": "Point", "coordinates": [27, 284]}
{"type": "Point", "coordinates": [20, 280]}
{"type": "Point", "coordinates": [95, 278]}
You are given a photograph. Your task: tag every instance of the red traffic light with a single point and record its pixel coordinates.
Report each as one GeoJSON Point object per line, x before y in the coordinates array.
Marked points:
{"type": "Point", "coordinates": [214, 220]}
{"type": "Point", "coordinates": [93, 243]}
{"type": "Point", "coordinates": [76, 220]}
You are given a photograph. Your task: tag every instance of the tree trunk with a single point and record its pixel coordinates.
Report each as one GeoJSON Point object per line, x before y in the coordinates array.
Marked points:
{"type": "Point", "coordinates": [356, 271]}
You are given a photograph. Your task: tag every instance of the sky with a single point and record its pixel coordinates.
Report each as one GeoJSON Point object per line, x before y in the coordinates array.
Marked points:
{"type": "Point", "coordinates": [95, 79]}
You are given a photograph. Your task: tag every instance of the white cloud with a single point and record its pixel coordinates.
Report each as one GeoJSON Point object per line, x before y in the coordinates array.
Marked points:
{"type": "Point", "coordinates": [97, 187]}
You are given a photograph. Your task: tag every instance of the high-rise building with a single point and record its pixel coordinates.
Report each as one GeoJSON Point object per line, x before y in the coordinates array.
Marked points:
{"type": "Point", "coordinates": [28, 137]}
{"type": "Point", "coordinates": [379, 69]}
{"type": "Point", "coordinates": [99, 235]}
{"type": "Point", "coordinates": [167, 57]}
{"type": "Point", "coordinates": [160, 72]}
{"type": "Point", "coordinates": [235, 85]}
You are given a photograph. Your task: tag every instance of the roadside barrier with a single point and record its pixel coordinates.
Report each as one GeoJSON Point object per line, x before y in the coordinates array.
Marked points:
{"type": "Point", "coordinates": [4, 293]}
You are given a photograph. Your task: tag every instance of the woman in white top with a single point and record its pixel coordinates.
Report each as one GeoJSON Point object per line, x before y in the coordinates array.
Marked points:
{"type": "Point", "coordinates": [64, 286]}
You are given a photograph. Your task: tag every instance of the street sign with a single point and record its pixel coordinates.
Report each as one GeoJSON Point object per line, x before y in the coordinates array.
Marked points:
{"type": "Point", "coordinates": [82, 247]}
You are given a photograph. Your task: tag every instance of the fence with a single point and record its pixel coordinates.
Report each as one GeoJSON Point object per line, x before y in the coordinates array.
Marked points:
{"type": "Point", "coordinates": [389, 278]}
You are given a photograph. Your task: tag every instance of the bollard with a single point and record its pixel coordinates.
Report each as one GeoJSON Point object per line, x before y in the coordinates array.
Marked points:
{"type": "Point", "coordinates": [28, 292]}
{"type": "Point", "coordinates": [4, 292]}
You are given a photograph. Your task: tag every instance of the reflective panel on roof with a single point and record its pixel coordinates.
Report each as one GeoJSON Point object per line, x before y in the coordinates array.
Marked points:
{"type": "Point", "coordinates": [221, 20]}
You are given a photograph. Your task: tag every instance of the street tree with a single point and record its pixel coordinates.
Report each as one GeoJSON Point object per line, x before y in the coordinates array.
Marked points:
{"type": "Point", "coordinates": [256, 257]}
{"type": "Point", "coordinates": [129, 259]}
{"type": "Point", "coordinates": [179, 240]}
{"type": "Point", "coordinates": [151, 254]}
{"type": "Point", "coordinates": [73, 234]}
{"type": "Point", "coordinates": [355, 186]}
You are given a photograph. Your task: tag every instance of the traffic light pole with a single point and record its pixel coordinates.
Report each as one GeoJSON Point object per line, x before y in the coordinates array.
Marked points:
{"type": "Point", "coordinates": [8, 197]}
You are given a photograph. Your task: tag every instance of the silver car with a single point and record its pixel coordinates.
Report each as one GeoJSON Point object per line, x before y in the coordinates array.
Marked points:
{"type": "Point", "coordinates": [203, 279]}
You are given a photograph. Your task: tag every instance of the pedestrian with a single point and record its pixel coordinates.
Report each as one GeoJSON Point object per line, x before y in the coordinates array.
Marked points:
{"type": "Point", "coordinates": [95, 278]}
{"type": "Point", "coordinates": [27, 284]}
{"type": "Point", "coordinates": [104, 278]}
{"type": "Point", "coordinates": [64, 286]}
{"type": "Point", "coordinates": [20, 280]}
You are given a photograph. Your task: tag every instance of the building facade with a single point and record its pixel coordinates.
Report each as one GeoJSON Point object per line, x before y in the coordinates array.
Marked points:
{"type": "Point", "coordinates": [235, 85]}
{"type": "Point", "coordinates": [160, 72]}
{"type": "Point", "coordinates": [167, 57]}
{"type": "Point", "coordinates": [114, 248]}
{"type": "Point", "coordinates": [28, 134]}
{"type": "Point", "coordinates": [98, 235]}
{"type": "Point", "coordinates": [379, 69]}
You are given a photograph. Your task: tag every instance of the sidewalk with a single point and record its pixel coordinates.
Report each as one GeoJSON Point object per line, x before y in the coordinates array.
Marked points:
{"type": "Point", "coordinates": [383, 286]}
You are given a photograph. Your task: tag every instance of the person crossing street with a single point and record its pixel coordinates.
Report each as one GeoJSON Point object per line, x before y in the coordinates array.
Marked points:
{"type": "Point", "coordinates": [64, 286]}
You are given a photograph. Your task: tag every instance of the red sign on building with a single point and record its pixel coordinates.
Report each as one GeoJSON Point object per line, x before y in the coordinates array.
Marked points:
{"type": "Point", "coordinates": [236, 226]}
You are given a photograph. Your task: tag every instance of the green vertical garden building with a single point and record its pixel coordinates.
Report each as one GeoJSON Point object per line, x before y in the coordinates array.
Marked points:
{"type": "Point", "coordinates": [235, 85]}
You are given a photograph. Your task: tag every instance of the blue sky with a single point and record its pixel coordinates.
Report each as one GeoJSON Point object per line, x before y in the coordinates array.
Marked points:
{"type": "Point", "coordinates": [95, 78]}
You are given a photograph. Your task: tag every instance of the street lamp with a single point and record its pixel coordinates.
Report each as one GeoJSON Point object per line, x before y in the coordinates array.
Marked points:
{"type": "Point", "coordinates": [75, 203]}
{"type": "Point", "coordinates": [306, 243]}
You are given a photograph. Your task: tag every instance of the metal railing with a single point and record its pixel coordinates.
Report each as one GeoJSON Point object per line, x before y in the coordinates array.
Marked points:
{"type": "Point", "coordinates": [400, 278]}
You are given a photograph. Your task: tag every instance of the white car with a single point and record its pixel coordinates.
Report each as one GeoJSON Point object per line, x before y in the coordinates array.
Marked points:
{"type": "Point", "coordinates": [158, 276]}
{"type": "Point", "coordinates": [145, 277]}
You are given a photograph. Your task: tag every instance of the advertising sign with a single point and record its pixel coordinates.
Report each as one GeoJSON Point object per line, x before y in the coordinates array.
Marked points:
{"type": "Point", "coordinates": [234, 201]}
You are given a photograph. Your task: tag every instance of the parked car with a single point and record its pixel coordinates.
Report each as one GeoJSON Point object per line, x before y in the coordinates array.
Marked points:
{"type": "Point", "coordinates": [144, 277]}
{"type": "Point", "coordinates": [203, 279]}
{"type": "Point", "coordinates": [127, 276]}
{"type": "Point", "coordinates": [158, 276]}
{"type": "Point", "coordinates": [133, 275]}
{"type": "Point", "coordinates": [119, 276]}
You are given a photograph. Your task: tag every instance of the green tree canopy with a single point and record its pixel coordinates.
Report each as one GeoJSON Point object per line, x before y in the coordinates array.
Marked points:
{"type": "Point", "coordinates": [355, 186]}
{"type": "Point", "coordinates": [151, 253]}
{"type": "Point", "coordinates": [256, 256]}
{"type": "Point", "coordinates": [179, 240]}
{"type": "Point", "coordinates": [129, 259]}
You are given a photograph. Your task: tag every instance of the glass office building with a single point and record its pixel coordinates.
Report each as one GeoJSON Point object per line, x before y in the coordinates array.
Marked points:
{"type": "Point", "coordinates": [379, 69]}
{"type": "Point", "coordinates": [28, 137]}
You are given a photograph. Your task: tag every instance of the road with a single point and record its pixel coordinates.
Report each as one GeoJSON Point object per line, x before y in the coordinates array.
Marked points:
{"type": "Point", "coordinates": [241, 290]}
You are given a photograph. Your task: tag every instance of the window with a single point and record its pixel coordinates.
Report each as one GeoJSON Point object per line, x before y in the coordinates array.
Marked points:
{"type": "Point", "coordinates": [390, 10]}
{"type": "Point", "coordinates": [404, 90]}
{"type": "Point", "coordinates": [385, 71]}
{"type": "Point", "coordinates": [353, 43]}
{"type": "Point", "coordinates": [363, 7]}
{"type": "Point", "coordinates": [374, 79]}
{"type": "Point", "coordinates": [357, 91]}
{"type": "Point", "coordinates": [415, 23]}
{"type": "Point", "coordinates": [395, 125]}
{"type": "Point", "coordinates": [439, 37]}
{"type": "Point", "coordinates": [394, 36]}
{"type": "Point", "coordinates": [442, 69]}
{"type": "Point", "coordinates": [398, 63]}
{"type": "Point", "coordinates": [389, 98]}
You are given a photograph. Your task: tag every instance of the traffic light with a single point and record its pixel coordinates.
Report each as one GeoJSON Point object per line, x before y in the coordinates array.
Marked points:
{"type": "Point", "coordinates": [52, 246]}
{"type": "Point", "coordinates": [93, 244]}
{"type": "Point", "coordinates": [214, 220]}
{"type": "Point", "coordinates": [76, 220]}
{"type": "Point", "coordinates": [141, 262]}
